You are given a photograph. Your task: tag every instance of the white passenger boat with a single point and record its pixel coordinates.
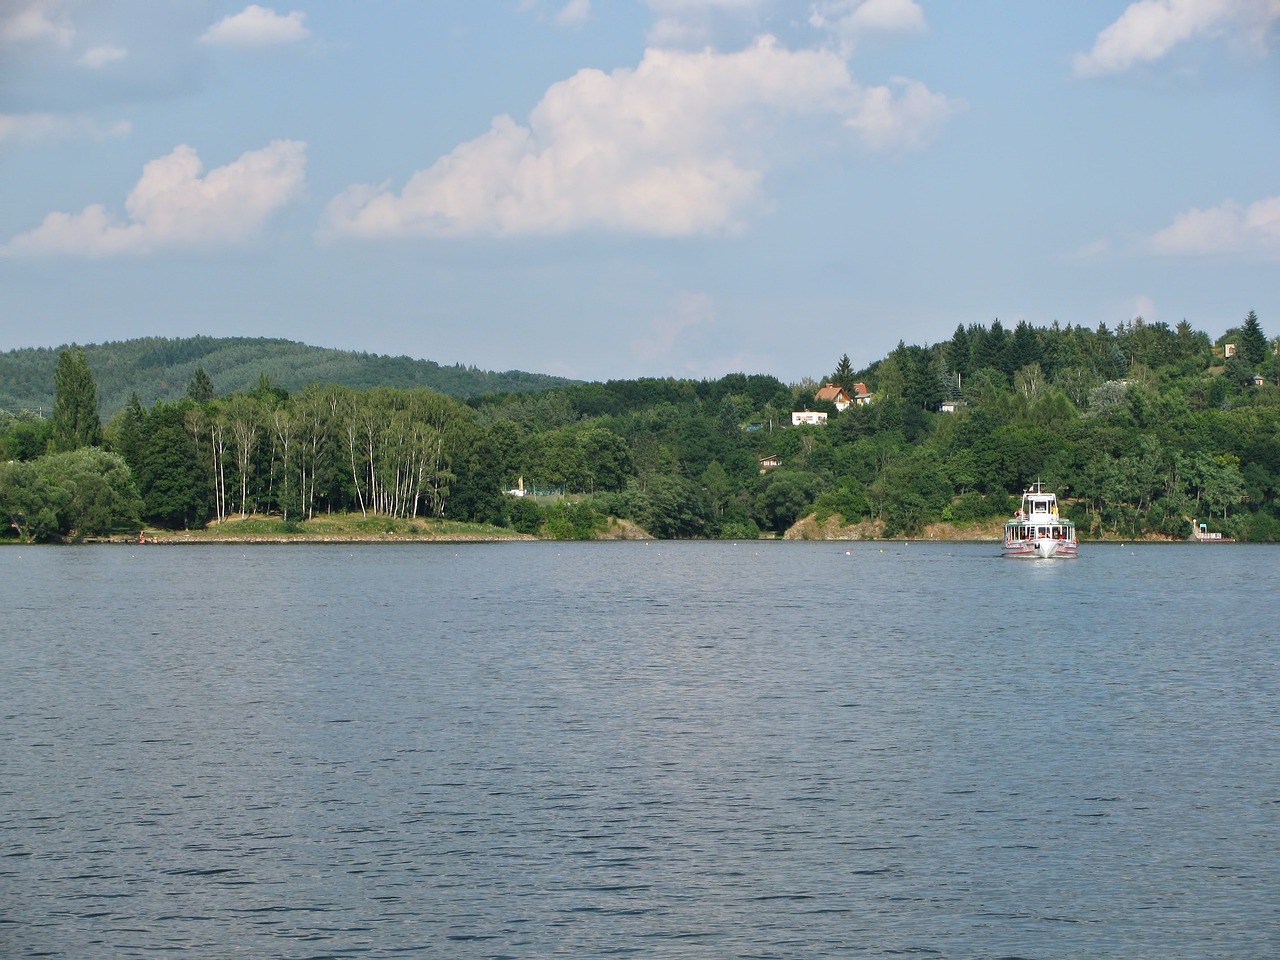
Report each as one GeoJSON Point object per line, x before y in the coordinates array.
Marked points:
{"type": "Point", "coordinates": [1038, 530]}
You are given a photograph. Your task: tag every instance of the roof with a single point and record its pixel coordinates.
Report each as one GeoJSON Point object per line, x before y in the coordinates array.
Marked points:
{"type": "Point", "coordinates": [831, 392]}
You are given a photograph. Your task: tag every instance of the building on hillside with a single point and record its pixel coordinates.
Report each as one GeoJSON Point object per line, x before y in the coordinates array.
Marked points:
{"type": "Point", "coordinates": [949, 406]}
{"type": "Point", "coordinates": [861, 395]}
{"type": "Point", "coordinates": [770, 462]}
{"type": "Point", "coordinates": [813, 418]}
{"type": "Point", "coordinates": [836, 394]}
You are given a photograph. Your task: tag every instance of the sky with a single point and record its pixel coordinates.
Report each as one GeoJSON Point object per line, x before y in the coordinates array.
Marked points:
{"type": "Point", "coordinates": [608, 189]}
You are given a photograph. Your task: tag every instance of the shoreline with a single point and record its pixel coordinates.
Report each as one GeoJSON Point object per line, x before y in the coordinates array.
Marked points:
{"type": "Point", "coordinates": [169, 539]}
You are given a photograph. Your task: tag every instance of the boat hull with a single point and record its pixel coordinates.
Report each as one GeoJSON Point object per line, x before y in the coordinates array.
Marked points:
{"type": "Point", "coordinates": [1041, 548]}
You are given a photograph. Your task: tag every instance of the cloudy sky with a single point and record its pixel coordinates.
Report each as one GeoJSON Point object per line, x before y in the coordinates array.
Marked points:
{"type": "Point", "coordinates": [619, 188]}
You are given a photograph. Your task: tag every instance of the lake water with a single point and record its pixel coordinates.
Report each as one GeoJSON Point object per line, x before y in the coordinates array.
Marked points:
{"type": "Point", "coordinates": [650, 750]}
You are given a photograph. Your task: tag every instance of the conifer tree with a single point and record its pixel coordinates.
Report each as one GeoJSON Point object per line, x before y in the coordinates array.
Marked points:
{"type": "Point", "coordinates": [75, 403]}
{"type": "Point", "coordinates": [128, 440]}
{"type": "Point", "coordinates": [843, 377]}
{"type": "Point", "coordinates": [200, 389]}
{"type": "Point", "coordinates": [1253, 342]}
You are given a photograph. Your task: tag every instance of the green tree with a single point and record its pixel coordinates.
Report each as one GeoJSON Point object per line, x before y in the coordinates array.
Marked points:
{"type": "Point", "coordinates": [200, 389]}
{"type": "Point", "coordinates": [843, 375]}
{"type": "Point", "coordinates": [716, 485]}
{"type": "Point", "coordinates": [170, 476]}
{"type": "Point", "coordinates": [99, 494]}
{"type": "Point", "coordinates": [28, 501]}
{"type": "Point", "coordinates": [75, 403]}
{"type": "Point", "coordinates": [669, 507]}
{"type": "Point", "coordinates": [786, 497]}
{"type": "Point", "coordinates": [1253, 342]}
{"type": "Point", "coordinates": [125, 430]}
{"type": "Point", "coordinates": [26, 438]}
{"type": "Point", "coordinates": [958, 351]}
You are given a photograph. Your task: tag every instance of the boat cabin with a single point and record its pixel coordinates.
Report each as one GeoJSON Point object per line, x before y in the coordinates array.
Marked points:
{"type": "Point", "coordinates": [1038, 505]}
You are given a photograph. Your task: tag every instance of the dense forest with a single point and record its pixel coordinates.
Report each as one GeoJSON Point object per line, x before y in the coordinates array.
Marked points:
{"type": "Point", "coordinates": [158, 368]}
{"type": "Point", "coordinates": [1141, 430]}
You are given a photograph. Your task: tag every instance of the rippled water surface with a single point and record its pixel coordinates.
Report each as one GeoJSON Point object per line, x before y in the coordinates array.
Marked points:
{"type": "Point", "coordinates": [664, 750]}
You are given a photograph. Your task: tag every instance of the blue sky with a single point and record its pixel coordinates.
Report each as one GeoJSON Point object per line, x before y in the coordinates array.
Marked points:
{"type": "Point", "coordinates": [621, 188]}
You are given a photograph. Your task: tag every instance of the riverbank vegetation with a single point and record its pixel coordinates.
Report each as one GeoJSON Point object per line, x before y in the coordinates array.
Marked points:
{"type": "Point", "coordinates": [1143, 430]}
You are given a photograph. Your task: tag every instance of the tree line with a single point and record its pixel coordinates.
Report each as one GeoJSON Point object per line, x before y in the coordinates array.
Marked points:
{"type": "Point", "coordinates": [1142, 429]}
{"type": "Point", "coordinates": [160, 368]}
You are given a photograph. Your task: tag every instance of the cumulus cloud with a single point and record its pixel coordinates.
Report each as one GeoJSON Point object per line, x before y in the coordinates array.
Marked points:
{"type": "Point", "coordinates": [1149, 29]}
{"type": "Point", "coordinates": [677, 146]}
{"type": "Point", "coordinates": [908, 118]}
{"type": "Point", "coordinates": [1230, 228]}
{"type": "Point", "coordinates": [853, 20]}
{"type": "Point", "coordinates": [172, 205]}
{"type": "Point", "coordinates": [256, 26]}
{"type": "Point", "coordinates": [41, 127]}
{"type": "Point", "coordinates": [30, 21]}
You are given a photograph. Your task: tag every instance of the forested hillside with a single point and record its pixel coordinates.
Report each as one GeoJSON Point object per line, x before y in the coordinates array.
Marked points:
{"type": "Point", "coordinates": [1142, 430]}
{"type": "Point", "coordinates": [157, 368]}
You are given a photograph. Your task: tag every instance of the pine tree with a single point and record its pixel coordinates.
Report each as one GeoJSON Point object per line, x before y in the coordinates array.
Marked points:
{"type": "Point", "coordinates": [958, 351]}
{"type": "Point", "coordinates": [200, 389]}
{"type": "Point", "coordinates": [129, 437]}
{"type": "Point", "coordinates": [1253, 342]}
{"type": "Point", "coordinates": [75, 403]}
{"type": "Point", "coordinates": [843, 377]}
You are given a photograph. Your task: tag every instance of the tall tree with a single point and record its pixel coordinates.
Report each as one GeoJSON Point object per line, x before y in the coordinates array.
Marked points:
{"type": "Point", "coordinates": [170, 475]}
{"type": "Point", "coordinates": [843, 376]}
{"type": "Point", "coordinates": [1253, 342]}
{"type": "Point", "coordinates": [128, 436]}
{"type": "Point", "coordinates": [201, 389]}
{"type": "Point", "coordinates": [959, 351]}
{"type": "Point", "coordinates": [75, 403]}
{"type": "Point", "coordinates": [991, 350]}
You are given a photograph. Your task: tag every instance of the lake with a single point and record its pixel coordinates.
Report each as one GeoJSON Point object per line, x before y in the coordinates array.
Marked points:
{"type": "Point", "coordinates": [667, 750]}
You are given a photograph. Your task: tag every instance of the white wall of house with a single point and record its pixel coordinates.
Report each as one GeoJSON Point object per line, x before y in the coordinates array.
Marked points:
{"type": "Point", "coordinates": [811, 417]}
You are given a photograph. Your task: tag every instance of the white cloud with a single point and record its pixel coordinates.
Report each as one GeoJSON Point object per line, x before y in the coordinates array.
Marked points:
{"type": "Point", "coordinates": [40, 127]}
{"type": "Point", "coordinates": [574, 13]}
{"type": "Point", "coordinates": [853, 20]}
{"type": "Point", "coordinates": [1226, 229]}
{"type": "Point", "coordinates": [908, 119]}
{"type": "Point", "coordinates": [101, 56]}
{"type": "Point", "coordinates": [691, 23]}
{"type": "Point", "coordinates": [28, 21]}
{"type": "Point", "coordinates": [1149, 29]}
{"type": "Point", "coordinates": [677, 146]}
{"type": "Point", "coordinates": [256, 26]}
{"type": "Point", "coordinates": [172, 205]}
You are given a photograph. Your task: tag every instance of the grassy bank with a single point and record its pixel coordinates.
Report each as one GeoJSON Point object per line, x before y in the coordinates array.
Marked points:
{"type": "Point", "coordinates": [330, 528]}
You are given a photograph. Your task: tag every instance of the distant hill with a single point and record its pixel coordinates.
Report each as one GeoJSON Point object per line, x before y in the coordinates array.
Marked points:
{"type": "Point", "coordinates": [159, 368]}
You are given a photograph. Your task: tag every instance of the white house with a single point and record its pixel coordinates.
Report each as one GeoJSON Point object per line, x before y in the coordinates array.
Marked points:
{"type": "Point", "coordinates": [811, 417]}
